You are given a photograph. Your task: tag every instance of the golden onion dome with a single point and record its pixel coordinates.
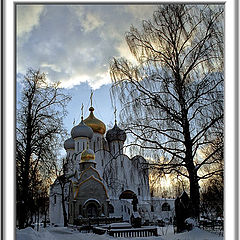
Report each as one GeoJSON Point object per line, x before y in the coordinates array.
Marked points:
{"type": "Point", "coordinates": [87, 156]}
{"type": "Point", "coordinates": [96, 124]}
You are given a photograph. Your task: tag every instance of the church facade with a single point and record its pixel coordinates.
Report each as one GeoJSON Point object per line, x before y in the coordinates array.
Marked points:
{"type": "Point", "coordinates": [101, 179]}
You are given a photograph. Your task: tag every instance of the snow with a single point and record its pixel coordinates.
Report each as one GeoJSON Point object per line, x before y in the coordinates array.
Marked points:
{"type": "Point", "coordinates": [136, 214]}
{"type": "Point", "coordinates": [27, 234]}
{"type": "Point", "coordinates": [195, 234]}
{"type": "Point", "coordinates": [63, 233]}
{"type": "Point", "coordinates": [120, 225]}
{"type": "Point", "coordinates": [191, 221]}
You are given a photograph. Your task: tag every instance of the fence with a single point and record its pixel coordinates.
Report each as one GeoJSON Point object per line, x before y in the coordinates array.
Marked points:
{"type": "Point", "coordinates": [133, 232]}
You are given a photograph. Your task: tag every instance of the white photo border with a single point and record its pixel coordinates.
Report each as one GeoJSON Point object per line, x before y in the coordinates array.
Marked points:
{"type": "Point", "coordinates": [231, 114]}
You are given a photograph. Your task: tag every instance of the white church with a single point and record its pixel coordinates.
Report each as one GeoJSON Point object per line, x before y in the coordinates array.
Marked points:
{"type": "Point", "coordinates": [101, 180]}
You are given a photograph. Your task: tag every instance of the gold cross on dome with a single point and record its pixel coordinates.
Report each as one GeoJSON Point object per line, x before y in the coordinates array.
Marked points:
{"type": "Point", "coordinates": [91, 97]}
{"type": "Point", "coordinates": [82, 111]}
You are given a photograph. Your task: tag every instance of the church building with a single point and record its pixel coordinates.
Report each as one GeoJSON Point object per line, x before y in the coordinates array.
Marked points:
{"type": "Point", "coordinates": [101, 180]}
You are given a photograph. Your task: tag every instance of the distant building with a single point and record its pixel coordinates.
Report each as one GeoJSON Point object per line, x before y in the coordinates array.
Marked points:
{"type": "Point", "coordinates": [102, 180]}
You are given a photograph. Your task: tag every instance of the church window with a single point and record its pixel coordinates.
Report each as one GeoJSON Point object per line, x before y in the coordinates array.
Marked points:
{"type": "Point", "coordinates": [83, 145]}
{"type": "Point", "coordinates": [113, 149]}
{"type": "Point", "coordinates": [152, 193]}
{"type": "Point", "coordinates": [152, 208]}
{"type": "Point", "coordinates": [78, 146]}
{"type": "Point", "coordinates": [111, 208]}
{"type": "Point", "coordinates": [121, 163]}
{"type": "Point", "coordinates": [55, 199]}
{"type": "Point", "coordinates": [122, 208]}
{"type": "Point", "coordinates": [128, 211]}
{"type": "Point", "coordinates": [102, 162]}
{"type": "Point", "coordinates": [165, 207]}
{"type": "Point", "coordinates": [139, 192]}
{"type": "Point", "coordinates": [80, 209]}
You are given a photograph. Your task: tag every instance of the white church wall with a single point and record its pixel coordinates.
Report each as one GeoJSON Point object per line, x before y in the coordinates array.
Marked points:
{"type": "Point", "coordinates": [55, 204]}
{"type": "Point", "coordinates": [159, 212]}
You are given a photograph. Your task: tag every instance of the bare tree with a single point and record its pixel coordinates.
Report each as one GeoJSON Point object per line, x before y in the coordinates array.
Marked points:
{"type": "Point", "coordinates": [39, 130]}
{"type": "Point", "coordinates": [172, 97]}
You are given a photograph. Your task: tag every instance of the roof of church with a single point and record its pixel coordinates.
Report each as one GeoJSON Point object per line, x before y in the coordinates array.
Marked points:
{"type": "Point", "coordinates": [96, 124]}
{"type": "Point", "coordinates": [69, 144]}
{"type": "Point", "coordinates": [82, 130]}
{"type": "Point", "coordinates": [116, 134]}
{"type": "Point", "coordinates": [86, 180]}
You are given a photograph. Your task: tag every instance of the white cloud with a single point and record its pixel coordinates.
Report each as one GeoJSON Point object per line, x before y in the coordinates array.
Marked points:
{"type": "Point", "coordinates": [141, 13]}
{"type": "Point", "coordinates": [95, 83]}
{"type": "Point", "coordinates": [88, 20]}
{"type": "Point", "coordinates": [27, 18]}
{"type": "Point", "coordinates": [92, 22]}
{"type": "Point", "coordinates": [52, 66]}
{"type": "Point", "coordinates": [74, 43]}
{"type": "Point", "coordinates": [125, 52]}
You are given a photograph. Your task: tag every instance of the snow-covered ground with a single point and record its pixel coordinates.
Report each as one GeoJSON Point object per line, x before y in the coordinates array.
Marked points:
{"type": "Point", "coordinates": [63, 233]}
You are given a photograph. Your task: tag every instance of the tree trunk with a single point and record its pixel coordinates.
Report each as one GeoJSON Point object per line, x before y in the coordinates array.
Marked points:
{"type": "Point", "coordinates": [193, 178]}
{"type": "Point", "coordinates": [25, 182]}
{"type": "Point", "coordinates": [64, 208]}
{"type": "Point", "coordinates": [194, 194]}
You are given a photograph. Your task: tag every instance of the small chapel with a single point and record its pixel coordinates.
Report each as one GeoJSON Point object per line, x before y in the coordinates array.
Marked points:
{"type": "Point", "coordinates": [101, 180]}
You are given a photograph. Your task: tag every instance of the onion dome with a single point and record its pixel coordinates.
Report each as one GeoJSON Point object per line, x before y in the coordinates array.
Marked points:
{"type": "Point", "coordinates": [116, 134]}
{"type": "Point", "coordinates": [69, 144]}
{"type": "Point", "coordinates": [82, 130]}
{"type": "Point", "coordinates": [97, 125]}
{"type": "Point", "coordinates": [87, 155]}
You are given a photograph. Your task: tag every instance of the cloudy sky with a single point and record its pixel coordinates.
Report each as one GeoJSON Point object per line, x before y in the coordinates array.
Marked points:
{"type": "Point", "coordinates": [74, 44]}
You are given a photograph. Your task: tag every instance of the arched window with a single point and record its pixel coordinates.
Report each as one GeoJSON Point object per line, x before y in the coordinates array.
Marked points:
{"type": "Point", "coordinates": [111, 208]}
{"type": "Point", "coordinates": [55, 199]}
{"type": "Point", "coordinates": [152, 193]}
{"type": "Point", "coordinates": [80, 209]}
{"type": "Point", "coordinates": [152, 208]}
{"type": "Point", "coordinates": [78, 146]}
{"type": "Point", "coordinates": [121, 163]}
{"type": "Point", "coordinates": [102, 162]}
{"type": "Point", "coordinates": [139, 191]}
{"type": "Point", "coordinates": [113, 149]}
{"type": "Point", "coordinates": [165, 207]}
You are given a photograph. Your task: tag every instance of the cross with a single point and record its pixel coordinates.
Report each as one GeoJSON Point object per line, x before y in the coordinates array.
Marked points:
{"type": "Point", "coordinates": [115, 113]}
{"type": "Point", "coordinates": [91, 97]}
{"type": "Point", "coordinates": [82, 111]}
